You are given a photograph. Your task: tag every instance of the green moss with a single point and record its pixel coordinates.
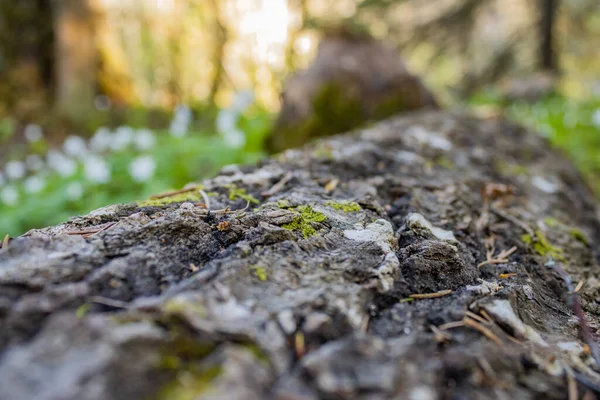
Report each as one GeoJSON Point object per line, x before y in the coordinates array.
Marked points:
{"type": "Point", "coordinates": [193, 196]}
{"type": "Point", "coordinates": [82, 310]}
{"type": "Point", "coordinates": [551, 222]}
{"type": "Point", "coordinates": [345, 206]}
{"type": "Point", "coordinates": [283, 204]}
{"type": "Point", "coordinates": [258, 353]}
{"type": "Point", "coordinates": [542, 246]}
{"type": "Point", "coordinates": [260, 272]}
{"type": "Point", "coordinates": [240, 193]}
{"type": "Point", "coordinates": [511, 169]}
{"type": "Point", "coordinates": [303, 223]}
{"type": "Point", "coordinates": [445, 162]}
{"type": "Point", "coordinates": [579, 235]}
{"type": "Point", "coordinates": [336, 108]}
{"type": "Point", "coordinates": [178, 306]}
{"type": "Point", "coordinates": [190, 382]}
{"type": "Point", "coordinates": [324, 152]}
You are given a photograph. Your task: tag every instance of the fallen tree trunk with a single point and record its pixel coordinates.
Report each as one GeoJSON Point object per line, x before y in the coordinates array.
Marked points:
{"type": "Point", "coordinates": [423, 258]}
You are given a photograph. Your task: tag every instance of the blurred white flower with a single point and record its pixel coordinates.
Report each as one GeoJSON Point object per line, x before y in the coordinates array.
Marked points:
{"type": "Point", "coordinates": [62, 164]}
{"type": "Point", "coordinates": [234, 139]}
{"type": "Point", "coordinates": [226, 120]}
{"type": "Point", "coordinates": [227, 126]}
{"type": "Point", "coordinates": [74, 191]}
{"type": "Point", "coordinates": [242, 100]}
{"type": "Point", "coordinates": [34, 162]}
{"type": "Point", "coordinates": [596, 118]}
{"type": "Point", "coordinates": [34, 184]}
{"type": "Point", "coordinates": [182, 119]}
{"type": "Point", "coordinates": [9, 196]}
{"type": "Point", "coordinates": [33, 133]}
{"type": "Point", "coordinates": [101, 141]}
{"type": "Point", "coordinates": [96, 169]}
{"type": "Point", "coordinates": [122, 138]}
{"type": "Point", "coordinates": [142, 168]}
{"type": "Point", "coordinates": [14, 170]}
{"type": "Point", "coordinates": [75, 146]}
{"type": "Point", "coordinates": [144, 139]}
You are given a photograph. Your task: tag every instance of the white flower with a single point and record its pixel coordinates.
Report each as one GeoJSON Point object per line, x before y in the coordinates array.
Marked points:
{"type": "Point", "coordinates": [101, 140]}
{"type": "Point", "coordinates": [33, 133]}
{"type": "Point", "coordinates": [142, 168]}
{"type": "Point", "coordinates": [62, 164]}
{"type": "Point", "coordinates": [75, 146]}
{"type": "Point", "coordinates": [144, 139]}
{"type": "Point", "coordinates": [227, 126]}
{"type": "Point", "coordinates": [234, 139]}
{"type": "Point", "coordinates": [74, 191]}
{"type": "Point", "coordinates": [596, 118]}
{"type": "Point", "coordinates": [34, 162]}
{"type": "Point", "coordinates": [34, 184]}
{"type": "Point", "coordinates": [181, 121]}
{"type": "Point", "coordinates": [96, 169]}
{"type": "Point", "coordinates": [14, 170]}
{"type": "Point", "coordinates": [226, 120]}
{"type": "Point", "coordinates": [242, 101]}
{"type": "Point", "coordinates": [9, 196]}
{"type": "Point", "coordinates": [122, 138]}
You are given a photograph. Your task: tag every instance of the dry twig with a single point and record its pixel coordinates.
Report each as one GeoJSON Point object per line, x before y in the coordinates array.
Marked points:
{"type": "Point", "coordinates": [5, 241]}
{"type": "Point", "coordinates": [483, 330]}
{"type": "Point", "coordinates": [86, 233]}
{"type": "Point", "coordinates": [430, 295]}
{"type": "Point", "coordinates": [173, 193]}
{"type": "Point", "coordinates": [279, 185]}
{"type": "Point", "coordinates": [299, 344]}
{"type": "Point", "coordinates": [499, 258]}
{"type": "Point", "coordinates": [109, 302]}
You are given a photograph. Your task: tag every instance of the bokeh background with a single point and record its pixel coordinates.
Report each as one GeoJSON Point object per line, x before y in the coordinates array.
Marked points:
{"type": "Point", "coordinates": [105, 101]}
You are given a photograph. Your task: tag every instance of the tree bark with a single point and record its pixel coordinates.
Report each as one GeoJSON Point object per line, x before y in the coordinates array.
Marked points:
{"type": "Point", "coordinates": [548, 51]}
{"type": "Point", "coordinates": [422, 258]}
{"type": "Point", "coordinates": [77, 61]}
{"type": "Point", "coordinates": [220, 37]}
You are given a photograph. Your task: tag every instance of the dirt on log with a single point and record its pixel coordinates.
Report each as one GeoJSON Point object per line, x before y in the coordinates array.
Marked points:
{"type": "Point", "coordinates": [422, 258]}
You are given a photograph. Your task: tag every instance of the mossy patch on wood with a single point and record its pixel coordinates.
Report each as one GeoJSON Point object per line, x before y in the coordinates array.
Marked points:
{"type": "Point", "coordinates": [345, 206]}
{"type": "Point", "coordinates": [240, 193]}
{"type": "Point", "coordinates": [305, 220]}
{"type": "Point", "coordinates": [542, 246]}
{"type": "Point", "coordinates": [190, 381]}
{"type": "Point", "coordinates": [193, 196]}
{"type": "Point", "coordinates": [259, 272]}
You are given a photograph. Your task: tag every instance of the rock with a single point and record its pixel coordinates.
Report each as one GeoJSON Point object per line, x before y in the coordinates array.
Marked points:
{"type": "Point", "coordinates": [307, 293]}
{"type": "Point", "coordinates": [354, 79]}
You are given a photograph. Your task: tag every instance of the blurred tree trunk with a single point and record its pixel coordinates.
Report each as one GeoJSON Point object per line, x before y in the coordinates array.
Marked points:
{"type": "Point", "coordinates": [290, 52]}
{"type": "Point", "coordinates": [77, 59]}
{"type": "Point", "coordinates": [548, 56]}
{"type": "Point", "coordinates": [26, 55]}
{"type": "Point", "coordinates": [220, 36]}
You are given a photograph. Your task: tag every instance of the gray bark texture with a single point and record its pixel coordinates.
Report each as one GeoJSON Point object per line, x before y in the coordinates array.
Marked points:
{"type": "Point", "coordinates": [315, 291]}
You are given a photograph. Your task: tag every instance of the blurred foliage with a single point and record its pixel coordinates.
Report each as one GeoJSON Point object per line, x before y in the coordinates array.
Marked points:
{"type": "Point", "coordinates": [573, 126]}
{"type": "Point", "coordinates": [179, 160]}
